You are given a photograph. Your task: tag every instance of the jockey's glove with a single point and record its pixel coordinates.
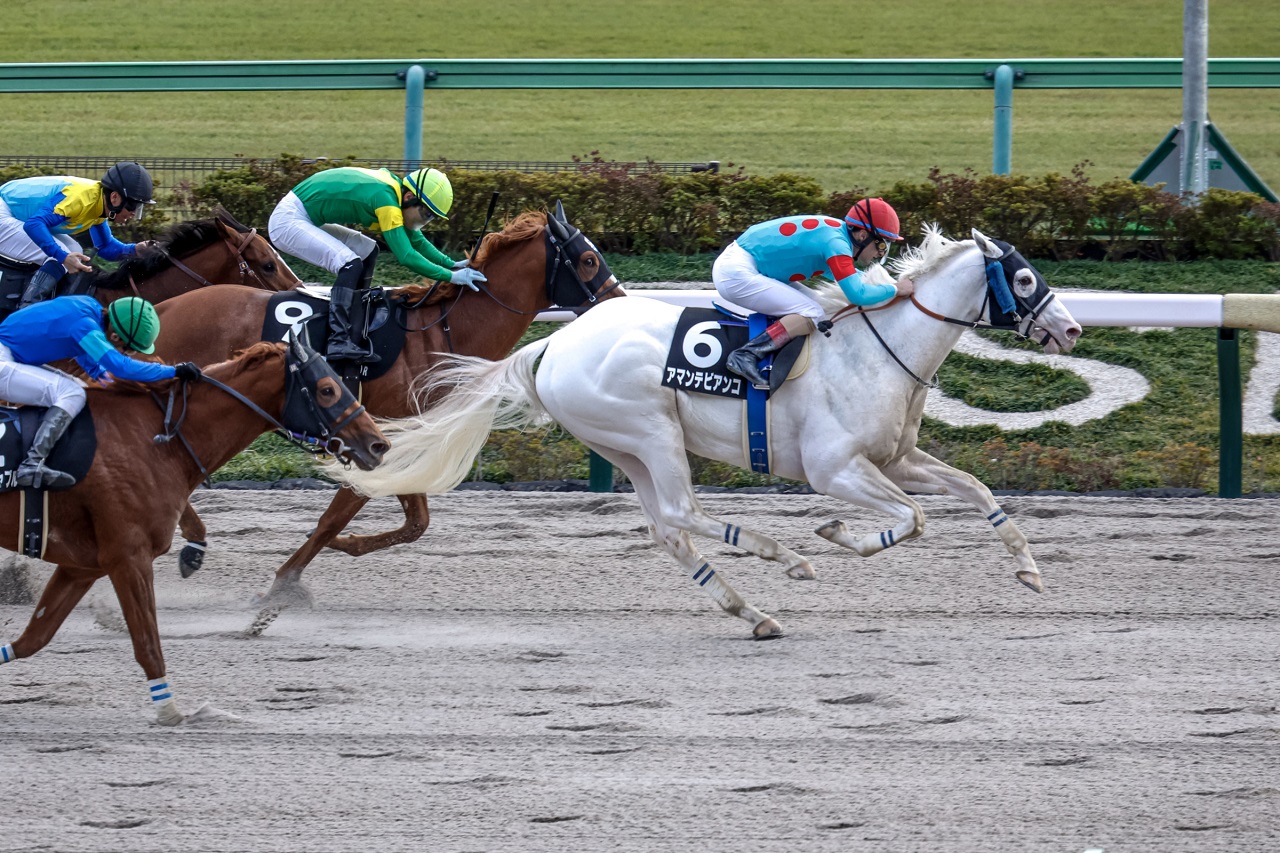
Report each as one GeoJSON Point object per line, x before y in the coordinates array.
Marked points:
{"type": "Point", "coordinates": [462, 264]}
{"type": "Point", "coordinates": [468, 277]}
{"type": "Point", "coordinates": [187, 371]}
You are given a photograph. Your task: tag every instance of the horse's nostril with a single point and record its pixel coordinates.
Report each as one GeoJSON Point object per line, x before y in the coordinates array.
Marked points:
{"type": "Point", "coordinates": [380, 448]}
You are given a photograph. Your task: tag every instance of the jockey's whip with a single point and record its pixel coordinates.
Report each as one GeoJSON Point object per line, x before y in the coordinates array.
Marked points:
{"type": "Point", "coordinates": [493, 203]}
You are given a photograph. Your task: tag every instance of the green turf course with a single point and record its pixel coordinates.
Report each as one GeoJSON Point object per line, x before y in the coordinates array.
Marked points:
{"type": "Point", "coordinates": [845, 139]}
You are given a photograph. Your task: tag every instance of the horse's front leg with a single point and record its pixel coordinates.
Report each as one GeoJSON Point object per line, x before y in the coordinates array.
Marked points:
{"type": "Point", "coordinates": [193, 530]}
{"type": "Point", "coordinates": [61, 594]}
{"type": "Point", "coordinates": [416, 518]}
{"type": "Point", "coordinates": [920, 472]}
{"type": "Point", "coordinates": [862, 483]}
{"type": "Point", "coordinates": [133, 581]}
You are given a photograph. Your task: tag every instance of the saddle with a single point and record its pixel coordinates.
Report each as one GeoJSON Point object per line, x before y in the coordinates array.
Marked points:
{"type": "Point", "coordinates": [73, 453]}
{"type": "Point", "coordinates": [703, 339]}
{"type": "Point", "coordinates": [377, 321]}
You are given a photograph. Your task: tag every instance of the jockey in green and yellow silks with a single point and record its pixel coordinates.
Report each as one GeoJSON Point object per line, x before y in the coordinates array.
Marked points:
{"type": "Point", "coordinates": [39, 216]}
{"type": "Point", "coordinates": [310, 223]}
{"type": "Point", "coordinates": [764, 268]}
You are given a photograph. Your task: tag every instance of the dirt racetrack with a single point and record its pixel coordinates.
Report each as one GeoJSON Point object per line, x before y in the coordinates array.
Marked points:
{"type": "Point", "coordinates": [535, 675]}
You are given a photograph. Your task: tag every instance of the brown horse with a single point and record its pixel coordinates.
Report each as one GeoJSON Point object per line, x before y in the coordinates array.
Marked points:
{"type": "Point", "coordinates": [121, 516]}
{"type": "Point", "coordinates": [192, 255]}
{"type": "Point", "coordinates": [533, 263]}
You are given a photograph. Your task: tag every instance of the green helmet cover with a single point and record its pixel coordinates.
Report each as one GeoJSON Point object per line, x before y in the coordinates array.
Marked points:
{"type": "Point", "coordinates": [136, 322]}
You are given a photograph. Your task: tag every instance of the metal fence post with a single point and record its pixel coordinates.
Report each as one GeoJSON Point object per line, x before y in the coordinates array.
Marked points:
{"type": "Point", "coordinates": [601, 473]}
{"type": "Point", "coordinates": [1230, 415]}
{"type": "Point", "coordinates": [1002, 151]}
{"type": "Point", "coordinates": [414, 84]}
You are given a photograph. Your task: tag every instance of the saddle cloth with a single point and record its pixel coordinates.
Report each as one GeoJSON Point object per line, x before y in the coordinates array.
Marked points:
{"type": "Point", "coordinates": [73, 453]}
{"type": "Point", "coordinates": [374, 320]}
{"type": "Point", "coordinates": [703, 339]}
{"type": "Point", "coordinates": [696, 361]}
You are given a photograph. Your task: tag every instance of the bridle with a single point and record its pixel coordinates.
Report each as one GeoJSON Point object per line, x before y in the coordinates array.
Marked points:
{"type": "Point", "coordinates": [1010, 311]}
{"type": "Point", "coordinates": [305, 423]}
{"type": "Point", "coordinates": [242, 264]}
{"type": "Point", "coordinates": [565, 245]}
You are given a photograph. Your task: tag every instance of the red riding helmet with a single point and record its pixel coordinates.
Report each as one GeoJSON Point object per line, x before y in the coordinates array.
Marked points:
{"type": "Point", "coordinates": [875, 215]}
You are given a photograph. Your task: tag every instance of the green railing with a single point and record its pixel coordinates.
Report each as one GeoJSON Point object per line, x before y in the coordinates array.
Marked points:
{"type": "Point", "coordinates": [626, 74]}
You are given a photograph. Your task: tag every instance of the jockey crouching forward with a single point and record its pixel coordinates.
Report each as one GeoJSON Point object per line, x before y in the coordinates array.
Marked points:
{"type": "Point", "coordinates": [764, 270]}
{"type": "Point", "coordinates": [38, 217]}
{"type": "Point", "coordinates": [310, 223]}
{"type": "Point", "coordinates": [73, 327]}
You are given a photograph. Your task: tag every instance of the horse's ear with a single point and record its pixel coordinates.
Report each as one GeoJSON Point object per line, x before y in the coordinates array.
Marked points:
{"type": "Point", "coordinates": [560, 212]}
{"type": "Point", "coordinates": [556, 222]}
{"type": "Point", "coordinates": [296, 346]}
{"type": "Point", "coordinates": [987, 245]}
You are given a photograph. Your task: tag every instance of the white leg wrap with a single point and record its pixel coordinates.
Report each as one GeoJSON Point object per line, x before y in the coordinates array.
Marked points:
{"type": "Point", "coordinates": [6, 653]}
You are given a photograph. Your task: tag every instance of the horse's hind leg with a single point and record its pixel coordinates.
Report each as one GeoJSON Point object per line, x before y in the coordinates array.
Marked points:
{"type": "Point", "coordinates": [133, 583]}
{"type": "Point", "coordinates": [193, 530]}
{"type": "Point", "coordinates": [920, 472]}
{"type": "Point", "coordinates": [416, 518]}
{"type": "Point", "coordinates": [61, 594]}
{"type": "Point", "coordinates": [679, 545]}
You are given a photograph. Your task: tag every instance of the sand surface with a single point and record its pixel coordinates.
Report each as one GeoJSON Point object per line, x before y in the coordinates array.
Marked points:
{"type": "Point", "coordinates": [535, 675]}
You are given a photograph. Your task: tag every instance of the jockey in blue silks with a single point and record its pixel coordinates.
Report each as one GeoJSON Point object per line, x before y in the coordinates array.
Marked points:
{"type": "Point", "coordinates": [73, 327]}
{"type": "Point", "coordinates": [38, 217]}
{"type": "Point", "coordinates": [764, 270]}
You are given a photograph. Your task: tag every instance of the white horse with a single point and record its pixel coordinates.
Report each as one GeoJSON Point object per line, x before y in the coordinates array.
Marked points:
{"type": "Point", "coordinates": [848, 425]}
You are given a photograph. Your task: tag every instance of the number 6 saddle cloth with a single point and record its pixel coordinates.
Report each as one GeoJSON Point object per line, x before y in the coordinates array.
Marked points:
{"type": "Point", "coordinates": [703, 339]}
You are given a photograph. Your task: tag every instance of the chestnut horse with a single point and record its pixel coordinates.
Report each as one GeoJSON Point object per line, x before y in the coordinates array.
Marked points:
{"type": "Point", "coordinates": [536, 261]}
{"type": "Point", "coordinates": [121, 516]}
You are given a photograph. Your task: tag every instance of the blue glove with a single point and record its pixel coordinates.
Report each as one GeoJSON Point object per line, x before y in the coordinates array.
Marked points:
{"type": "Point", "coordinates": [469, 277]}
{"type": "Point", "coordinates": [462, 264]}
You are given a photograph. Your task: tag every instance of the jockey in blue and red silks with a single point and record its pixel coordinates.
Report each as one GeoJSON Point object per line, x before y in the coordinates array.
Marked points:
{"type": "Point", "coordinates": [764, 269]}
{"type": "Point", "coordinates": [38, 217]}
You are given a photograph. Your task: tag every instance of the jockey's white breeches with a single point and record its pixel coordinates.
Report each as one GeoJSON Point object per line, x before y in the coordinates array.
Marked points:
{"type": "Point", "coordinates": [737, 279]}
{"type": "Point", "coordinates": [15, 244]}
{"type": "Point", "coordinates": [329, 246]}
{"type": "Point", "coordinates": [33, 385]}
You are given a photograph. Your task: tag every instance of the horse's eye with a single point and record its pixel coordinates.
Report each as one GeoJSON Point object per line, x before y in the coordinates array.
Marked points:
{"type": "Point", "coordinates": [269, 267]}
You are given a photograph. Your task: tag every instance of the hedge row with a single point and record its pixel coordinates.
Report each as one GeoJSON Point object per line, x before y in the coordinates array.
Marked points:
{"type": "Point", "coordinates": [636, 208]}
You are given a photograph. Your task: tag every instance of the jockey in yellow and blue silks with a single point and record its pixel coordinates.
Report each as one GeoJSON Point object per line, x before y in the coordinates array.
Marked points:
{"type": "Point", "coordinates": [38, 217]}
{"type": "Point", "coordinates": [73, 327]}
{"type": "Point", "coordinates": [763, 270]}
{"type": "Point", "coordinates": [310, 223]}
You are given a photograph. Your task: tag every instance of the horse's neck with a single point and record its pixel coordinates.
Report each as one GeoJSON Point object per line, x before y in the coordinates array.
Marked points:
{"type": "Point", "coordinates": [922, 342]}
{"type": "Point", "coordinates": [477, 324]}
{"type": "Point", "coordinates": [219, 426]}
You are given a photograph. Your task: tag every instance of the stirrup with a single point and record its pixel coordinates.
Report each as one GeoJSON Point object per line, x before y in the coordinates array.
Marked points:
{"type": "Point", "coordinates": [352, 353]}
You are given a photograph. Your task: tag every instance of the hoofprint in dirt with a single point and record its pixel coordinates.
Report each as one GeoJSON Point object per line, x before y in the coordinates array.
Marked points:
{"type": "Point", "coordinates": [533, 674]}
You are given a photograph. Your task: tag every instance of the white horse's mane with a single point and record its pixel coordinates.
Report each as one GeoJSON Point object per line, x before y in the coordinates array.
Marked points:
{"type": "Point", "coordinates": [933, 252]}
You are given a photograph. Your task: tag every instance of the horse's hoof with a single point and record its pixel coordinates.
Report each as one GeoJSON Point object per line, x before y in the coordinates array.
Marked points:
{"type": "Point", "coordinates": [769, 629]}
{"type": "Point", "coordinates": [169, 715]}
{"type": "Point", "coordinates": [831, 530]}
{"type": "Point", "coordinates": [286, 594]}
{"type": "Point", "coordinates": [802, 571]}
{"type": "Point", "coordinates": [1031, 580]}
{"type": "Point", "coordinates": [190, 560]}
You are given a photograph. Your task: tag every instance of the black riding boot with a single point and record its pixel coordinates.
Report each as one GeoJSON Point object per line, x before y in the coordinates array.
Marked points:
{"type": "Point", "coordinates": [745, 360]}
{"type": "Point", "coordinates": [341, 298]}
{"type": "Point", "coordinates": [33, 473]}
{"type": "Point", "coordinates": [43, 283]}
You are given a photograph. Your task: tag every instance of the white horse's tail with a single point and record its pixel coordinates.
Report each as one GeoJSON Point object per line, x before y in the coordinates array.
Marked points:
{"type": "Point", "coordinates": [433, 451]}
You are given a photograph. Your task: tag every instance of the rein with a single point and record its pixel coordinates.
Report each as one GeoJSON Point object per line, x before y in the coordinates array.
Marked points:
{"type": "Point", "coordinates": [1019, 324]}
{"type": "Point", "coordinates": [328, 443]}
{"type": "Point", "coordinates": [241, 264]}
